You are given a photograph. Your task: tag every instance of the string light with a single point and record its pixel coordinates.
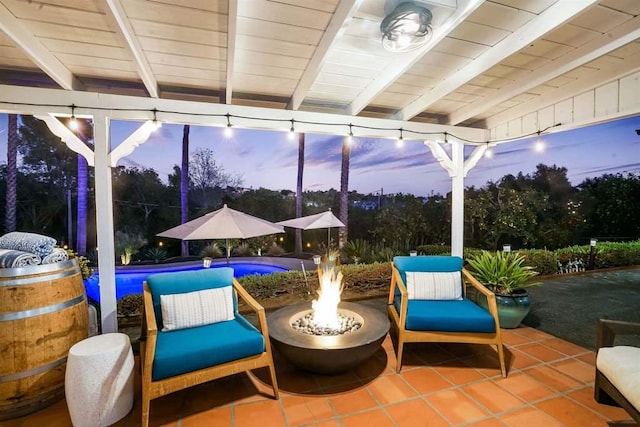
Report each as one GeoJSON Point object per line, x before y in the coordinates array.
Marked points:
{"type": "Point", "coordinates": [292, 131]}
{"type": "Point", "coordinates": [350, 136]}
{"type": "Point", "coordinates": [155, 123]}
{"type": "Point", "coordinates": [400, 141]}
{"type": "Point", "coordinates": [488, 153]}
{"type": "Point", "coordinates": [73, 123]}
{"type": "Point", "coordinates": [228, 131]}
{"type": "Point", "coordinates": [539, 144]}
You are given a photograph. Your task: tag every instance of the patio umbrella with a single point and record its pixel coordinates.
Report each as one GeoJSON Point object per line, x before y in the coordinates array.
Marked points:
{"type": "Point", "coordinates": [225, 224]}
{"type": "Point", "coordinates": [311, 222]}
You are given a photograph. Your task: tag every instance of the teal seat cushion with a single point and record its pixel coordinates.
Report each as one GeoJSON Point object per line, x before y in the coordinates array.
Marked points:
{"type": "Point", "coordinates": [179, 282]}
{"type": "Point", "coordinates": [188, 350]}
{"type": "Point", "coordinates": [447, 316]}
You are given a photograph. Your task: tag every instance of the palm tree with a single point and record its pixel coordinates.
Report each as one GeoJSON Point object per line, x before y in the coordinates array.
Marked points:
{"type": "Point", "coordinates": [184, 185]}
{"type": "Point", "coordinates": [344, 191]}
{"type": "Point", "coordinates": [298, 239]}
{"type": "Point", "coordinates": [12, 173]}
{"type": "Point", "coordinates": [85, 134]}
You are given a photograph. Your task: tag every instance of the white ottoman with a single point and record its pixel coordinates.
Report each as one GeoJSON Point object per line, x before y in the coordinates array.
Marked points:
{"type": "Point", "coordinates": [99, 380]}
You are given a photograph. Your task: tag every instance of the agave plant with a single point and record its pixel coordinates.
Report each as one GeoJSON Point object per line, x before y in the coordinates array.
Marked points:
{"type": "Point", "coordinates": [504, 273]}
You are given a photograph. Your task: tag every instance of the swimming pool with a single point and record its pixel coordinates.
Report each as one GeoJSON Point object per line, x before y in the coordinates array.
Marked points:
{"type": "Point", "coordinates": [129, 281]}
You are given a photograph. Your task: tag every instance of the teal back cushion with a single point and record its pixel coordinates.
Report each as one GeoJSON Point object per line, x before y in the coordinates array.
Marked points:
{"type": "Point", "coordinates": [186, 281]}
{"type": "Point", "coordinates": [427, 263]}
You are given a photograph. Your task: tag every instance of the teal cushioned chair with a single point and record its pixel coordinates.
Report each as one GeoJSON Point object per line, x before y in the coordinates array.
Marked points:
{"type": "Point", "coordinates": [438, 320]}
{"type": "Point", "coordinates": [177, 359]}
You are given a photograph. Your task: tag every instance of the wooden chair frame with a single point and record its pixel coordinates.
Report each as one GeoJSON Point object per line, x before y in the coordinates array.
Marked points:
{"type": "Point", "coordinates": [154, 389]}
{"type": "Point", "coordinates": [398, 321]}
{"type": "Point", "coordinates": [605, 391]}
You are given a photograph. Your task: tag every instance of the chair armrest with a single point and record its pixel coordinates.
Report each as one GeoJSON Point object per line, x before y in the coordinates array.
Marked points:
{"type": "Point", "coordinates": [491, 297]}
{"type": "Point", "coordinates": [149, 314]}
{"type": "Point", "coordinates": [255, 306]}
{"type": "Point", "coordinates": [608, 329]}
{"type": "Point", "coordinates": [396, 280]}
{"type": "Point", "coordinates": [246, 296]}
{"type": "Point", "coordinates": [468, 277]}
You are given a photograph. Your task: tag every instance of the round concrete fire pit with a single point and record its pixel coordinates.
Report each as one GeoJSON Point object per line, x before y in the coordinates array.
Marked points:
{"type": "Point", "coordinates": [327, 354]}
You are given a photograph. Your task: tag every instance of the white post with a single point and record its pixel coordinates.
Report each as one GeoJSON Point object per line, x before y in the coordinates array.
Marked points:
{"type": "Point", "coordinates": [104, 223]}
{"type": "Point", "coordinates": [457, 197]}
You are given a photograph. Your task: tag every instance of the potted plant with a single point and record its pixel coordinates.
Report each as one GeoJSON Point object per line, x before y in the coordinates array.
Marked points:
{"type": "Point", "coordinates": [506, 275]}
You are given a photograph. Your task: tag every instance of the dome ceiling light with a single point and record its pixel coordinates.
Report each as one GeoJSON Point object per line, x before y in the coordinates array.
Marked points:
{"type": "Point", "coordinates": [406, 28]}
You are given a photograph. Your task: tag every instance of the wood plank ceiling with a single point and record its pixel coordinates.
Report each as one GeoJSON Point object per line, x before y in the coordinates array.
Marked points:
{"type": "Point", "coordinates": [487, 62]}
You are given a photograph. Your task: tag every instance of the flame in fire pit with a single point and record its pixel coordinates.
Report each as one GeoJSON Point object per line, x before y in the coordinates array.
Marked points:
{"type": "Point", "coordinates": [325, 308]}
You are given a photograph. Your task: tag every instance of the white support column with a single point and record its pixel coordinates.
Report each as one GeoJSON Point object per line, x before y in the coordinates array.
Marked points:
{"type": "Point", "coordinates": [104, 223]}
{"type": "Point", "coordinates": [457, 198]}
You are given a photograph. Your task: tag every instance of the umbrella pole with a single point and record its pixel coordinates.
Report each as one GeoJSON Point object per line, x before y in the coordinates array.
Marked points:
{"type": "Point", "coordinates": [228, 251]}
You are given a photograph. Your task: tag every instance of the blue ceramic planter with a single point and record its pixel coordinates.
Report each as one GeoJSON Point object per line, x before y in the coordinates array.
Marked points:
{"type": "Point", "coordinates": [511, 309]}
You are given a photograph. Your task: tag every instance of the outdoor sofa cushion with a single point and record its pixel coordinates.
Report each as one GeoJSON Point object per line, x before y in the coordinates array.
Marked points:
{"type": "Point", "coordinates": [447, 316]}
{"type": "Point", "coordinates": [621, 366]}
{"type": "Point", "coordinates": [187, 281]}
{"type": "Point", "coordinates": [187, 350]}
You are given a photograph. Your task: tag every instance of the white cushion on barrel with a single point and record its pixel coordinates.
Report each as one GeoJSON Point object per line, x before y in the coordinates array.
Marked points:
{"type": "Point", "coordinates": [99, 380]}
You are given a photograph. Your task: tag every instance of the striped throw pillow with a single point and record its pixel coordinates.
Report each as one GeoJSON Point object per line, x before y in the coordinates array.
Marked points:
{"type": "Point", "coordinates": [180, 311]}
{"type": "Point", "coordinates": [434, 286]}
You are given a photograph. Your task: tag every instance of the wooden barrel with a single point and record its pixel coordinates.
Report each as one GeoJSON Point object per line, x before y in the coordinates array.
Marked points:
{"type": "Point", "coordinates": [43, 312]}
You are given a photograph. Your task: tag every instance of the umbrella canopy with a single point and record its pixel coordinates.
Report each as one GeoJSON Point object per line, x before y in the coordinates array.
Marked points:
{"type": "Point", "coordinates": [310, 222]}
{"type": "Point", "coordinates": [322, 220]}
{"type": "Point", "coordinates": [224, 223]}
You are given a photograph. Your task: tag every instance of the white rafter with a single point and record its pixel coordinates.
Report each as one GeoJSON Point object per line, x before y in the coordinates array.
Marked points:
{"type": "Point", "coordinates": [548, 20]}
{"type": "Point", "coordinates": [599, 77]}
{"type": "Point", "coordinates": [601, 45]}
{"type": "Point", "coordinates": [336, 28]}
{"type": "Point", "coordinates": [36, 51]}
{"type": "Point", "coordinates": [232, 31]}
{"type": "Point", "coordinates": [405, 62]}
{"type": "Point", "coordinates": [144, 69]}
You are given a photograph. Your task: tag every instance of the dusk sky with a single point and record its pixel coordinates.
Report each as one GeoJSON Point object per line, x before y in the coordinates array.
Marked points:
{"type": "Point", "coordinates": [269, 159]}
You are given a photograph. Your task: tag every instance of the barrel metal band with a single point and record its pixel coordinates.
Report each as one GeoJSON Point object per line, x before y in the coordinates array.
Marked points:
{"type": "Point", "coordinates": [41, 310]}
{"type": "Point", "coordinates": [34, 371]}
{"type": "Point", "coordinates": [38, 279]}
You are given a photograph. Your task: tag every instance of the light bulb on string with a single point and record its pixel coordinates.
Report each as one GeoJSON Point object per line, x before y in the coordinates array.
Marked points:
{"type": "Point", "coordinates": [350, 136]}
{"type": "Point", "coordinates": [228, 131]}
{"type": "Point", "coordinates": [292, 131]}
{"type": "Point", "coordinates": [539, 145]}
{"type": "Point", "coordinates": [73, 122]}
{"type": "Point", "coordinates": [155, 123]}
{"type": "Point", "coordinates": [400, 140]}
{"type": "Point", "coordinates": [488, 153]}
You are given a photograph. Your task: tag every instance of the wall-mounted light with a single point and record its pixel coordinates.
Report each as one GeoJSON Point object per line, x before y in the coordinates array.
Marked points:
{"type": "Point", "coordinates": [406, 28]}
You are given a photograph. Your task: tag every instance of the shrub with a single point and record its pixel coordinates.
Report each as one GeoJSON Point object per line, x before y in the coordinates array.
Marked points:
{"type": "Point", "coordinates": [127, 245]}
{"type": "Point", "coordinates": [212, 250]}
{"type": "Point", "coordinates": [434, 250]}
{"type": "Point", "coordinates": [275, 250]}
{"type": "Point", "coordinates": [243, 249]}
{"type": "Point", "coordinates": [358, 251]}
{"type": "Point", "coordinates": [130, 305]}
{"type": "Point", "coordinates": [156, 254]}
{"type": "Point", "coordinates": [543, 261]}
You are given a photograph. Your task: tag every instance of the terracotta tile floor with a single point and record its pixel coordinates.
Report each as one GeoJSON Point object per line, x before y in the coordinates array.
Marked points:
{"type": "Point", "coordinates": [550, 383]}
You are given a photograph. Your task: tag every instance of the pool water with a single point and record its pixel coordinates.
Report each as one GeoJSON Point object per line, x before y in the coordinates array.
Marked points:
{"type": "Point", "coordinates": [129, 281]}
